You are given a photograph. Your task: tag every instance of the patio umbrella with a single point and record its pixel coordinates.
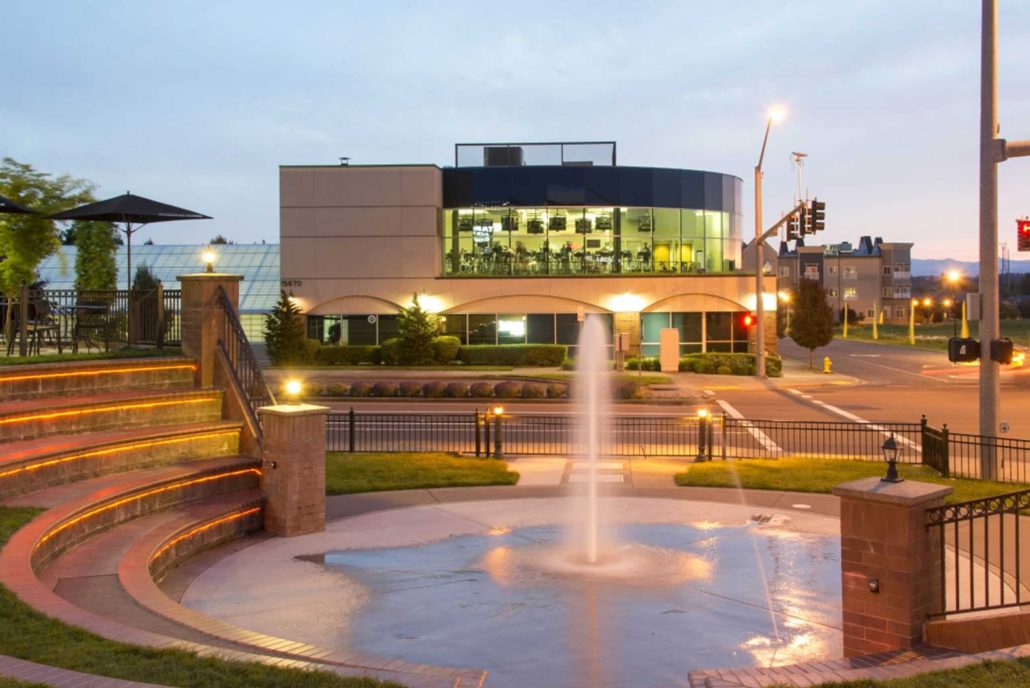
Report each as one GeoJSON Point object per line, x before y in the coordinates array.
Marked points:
{"type": "Point", "coordinates": [10, 207]}
{"type": "Point", "coordinates": [128, 210]}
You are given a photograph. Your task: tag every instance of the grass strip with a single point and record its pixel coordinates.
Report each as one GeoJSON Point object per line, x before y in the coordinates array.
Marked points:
{"type": "Point", "coordinates": [30, 635]}
{"type": "Point", "coordinates": [814, 474]}
{"type": "Point", "coordinates": [989, 674]}
{"type": "Point", "coordinates": [348, 473]}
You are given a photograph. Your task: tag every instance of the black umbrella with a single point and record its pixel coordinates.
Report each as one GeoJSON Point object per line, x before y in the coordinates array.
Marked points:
{"type": "Point", "coordinates": [129, 210]}
{"type": "Point", "coordinates": [9, 206]}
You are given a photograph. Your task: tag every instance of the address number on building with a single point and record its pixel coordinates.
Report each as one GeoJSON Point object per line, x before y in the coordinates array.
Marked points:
{"type": "Point", "coordinates": [292, 283]}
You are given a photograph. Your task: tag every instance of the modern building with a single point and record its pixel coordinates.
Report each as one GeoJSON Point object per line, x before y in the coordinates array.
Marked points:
{"type": "Point", "coordinates": [258, 263]}
{"type": "Point", "coordinates": [874, 279]}
{"type": "Point", "coordinates": [515, 244]}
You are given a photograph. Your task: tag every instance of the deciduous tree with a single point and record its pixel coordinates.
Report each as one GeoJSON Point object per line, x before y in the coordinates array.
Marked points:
{"type": "Point", "coordinates": [811, 318]}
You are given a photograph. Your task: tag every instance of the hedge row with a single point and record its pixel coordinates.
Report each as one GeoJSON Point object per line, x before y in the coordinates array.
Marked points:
{"type": "Point", "coordinates": [446, 350]}
{"type": "Point", "coordinates": [437, 389]}
{"type": "Point", "coordinates": [713, 364]}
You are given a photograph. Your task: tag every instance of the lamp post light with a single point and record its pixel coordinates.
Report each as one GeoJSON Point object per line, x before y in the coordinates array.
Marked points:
{"type": "Point", "coordinates": [948, 303]}
{"type": "Point", "coordinates": [209, 257]}
{"type": "Point", "coordinates": [498, 441]}
{"type": "Point", "coordinates": [775, 115]}
{"type": "Point", "coordinates": [890, 455]}
{"type": "Point", "coordinates": [293, 388]}
{"type": "Point", "coordinates": [912, 322]}
{"type": "Point", "coordinates": [702, 434]}
{"type": "Point", "coordinates": [785, 300]}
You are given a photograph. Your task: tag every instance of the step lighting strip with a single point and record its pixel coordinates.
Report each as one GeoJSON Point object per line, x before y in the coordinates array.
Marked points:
{"type": "Point", "coordinates": [138, 496]}
{"type": "Point", "coordinates": [102, 409]}
{"type": "Point", "coordinates": [107, 451]}
{"type": "Point", "coordinates": [200, 529]}
{"type": "Point", "coordinates": [95, 373]}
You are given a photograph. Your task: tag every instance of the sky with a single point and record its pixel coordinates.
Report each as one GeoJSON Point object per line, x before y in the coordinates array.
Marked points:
{"type": "Point", "coordinates": [198, 103]}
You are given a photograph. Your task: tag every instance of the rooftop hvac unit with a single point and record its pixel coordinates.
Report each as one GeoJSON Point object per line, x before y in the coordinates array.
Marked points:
{"type": "Point", "coordinates": [502, 156]}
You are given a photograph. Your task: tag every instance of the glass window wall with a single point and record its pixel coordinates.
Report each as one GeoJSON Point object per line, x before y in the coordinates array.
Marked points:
{"type": "Point", "coordinates": [525, 242]}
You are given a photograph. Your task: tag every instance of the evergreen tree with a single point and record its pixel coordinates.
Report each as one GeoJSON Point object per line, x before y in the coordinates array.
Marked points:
{"type": "Point", "coordinates": [284, 333]}
{"type": "Point", "coordinates": [811, 318]}
{"type": "Point", "coordinates": [94, 259]}
{"type": "Point", "coordinates": [416, 329]}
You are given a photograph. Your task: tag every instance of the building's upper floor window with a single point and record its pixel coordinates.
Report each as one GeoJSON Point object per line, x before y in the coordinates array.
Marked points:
{"type": "Point", "coordinates": [850, 272]}
{"type": "Point", "coordinates": [812, 272]}
{"type": "Point", "coordinates": [887, 292]}
{"type": "Point", "coordinates": [784, 271]}
{"type": "Point", "coordinates": [887, 270]}
{"type": "Point", "coordinates": [831, 270]}
{"type": "Point", "coordinates": [833, 293]}
{"type": "Point", "coordinates": [902, 267]}
{"type": "Point", "coordinates": [850, 293]}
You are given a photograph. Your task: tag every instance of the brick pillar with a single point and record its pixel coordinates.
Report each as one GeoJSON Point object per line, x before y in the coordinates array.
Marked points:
{"type": "Point", "coordinates": [293, 468]}
{"type": "Point", "coordinates": [202, 318]}
{"type": "Point", "coordinates": [890, 563]}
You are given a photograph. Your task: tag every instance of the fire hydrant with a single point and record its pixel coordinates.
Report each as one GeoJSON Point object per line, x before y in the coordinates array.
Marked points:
{"type": "Point", "coordinates": [826, 365]}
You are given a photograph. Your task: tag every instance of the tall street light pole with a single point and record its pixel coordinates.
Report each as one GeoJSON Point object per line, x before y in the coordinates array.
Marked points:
{"type": "Point", "coordinates": [775, 115]}
{"type": "Point", "coordinates": [993, 150]}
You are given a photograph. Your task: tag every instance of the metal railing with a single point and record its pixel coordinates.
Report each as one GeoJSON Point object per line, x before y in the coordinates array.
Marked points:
{"type": "Point", "coordinates": [416, 432]}
{"type": "Point", "coordinates": [984, 552]}
{"type": "Point", "coordinates": [67, 319]}
{"type": "Point", "coordinates": [773, 439]}
{"type": "Point", "coordinates": [243, 365]}
{"type": "Point", "coordinates": [1009, 456]}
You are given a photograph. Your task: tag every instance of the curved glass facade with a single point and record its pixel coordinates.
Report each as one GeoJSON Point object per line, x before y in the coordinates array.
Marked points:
{"type": "Point", "coordinates": [551, 220]}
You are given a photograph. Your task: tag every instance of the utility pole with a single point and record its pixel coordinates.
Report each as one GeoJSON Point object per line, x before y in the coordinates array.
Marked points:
{"type": "Point", "coordinates": [993, 150]}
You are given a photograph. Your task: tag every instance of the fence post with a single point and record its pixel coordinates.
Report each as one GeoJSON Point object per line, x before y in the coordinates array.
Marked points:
{"type": "Point", "coordinates": [498, 449]}
{"type": "Point", "coordinates": [160, 315]}
{"type": "Point", "coordinates": [486, 432]}
{"type": "Point", "coordinates": [722, 439]}
{"type": "Point", "coordinates": [945, 452]}
{"type": "Point", "coordinates": [478, 448]}
{"type": "Point", "coordinates": [350, 430]}
{"type": "Point", "coordinates": [922, 437]}
{"type": "Point", "coordinates": [702, 432]}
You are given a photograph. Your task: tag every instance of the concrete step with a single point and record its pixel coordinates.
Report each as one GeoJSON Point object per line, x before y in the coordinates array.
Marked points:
{"type": "Point", "coordinates": [23, 420]}
{"type": "Point", "coordinates": [74, 378]}
{"type": "Point", "coordinates": [30, 465]}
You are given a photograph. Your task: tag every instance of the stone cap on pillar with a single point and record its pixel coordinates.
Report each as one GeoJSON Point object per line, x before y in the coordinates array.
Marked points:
{"type": "Point", "coordinates": [293, 410]}
{"type": "Point", "coordinates": [219, 276]}
{"type": "Point", "coordinates": [904, 493]}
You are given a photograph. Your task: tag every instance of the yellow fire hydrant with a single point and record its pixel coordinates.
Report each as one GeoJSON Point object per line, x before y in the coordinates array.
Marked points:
{"type": "Point", "coordinates": [826, 365]}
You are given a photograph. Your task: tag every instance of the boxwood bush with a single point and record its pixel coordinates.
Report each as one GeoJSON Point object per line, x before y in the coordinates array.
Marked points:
{"type": "Point", "coordinates": [729, 364]}
{"type": "Point", "coordinates": [556, 390]}
{"type": "Point", "coordinates": [534, 390]}
{"type": "Point", "coordinates": [650, 363]}
{"type": "Point", "coordinates": [338, 389]}
{"type": "Point", "coordinates": [360, 389]}
{"type": "Point", "coordinates": [481, 390]}
{"type": "Point", "coordinates": [409, 389]}
{"type": "Point", "coordinates": [445, 348]}
{"type": "Point", "coordinates": [434, 389]}
{"type": "Point", "coordinates": [347, 355]}
{"type": "Point", "coordinates": [631, 390]}
{"type": "Point", "coordinates": [509, 389]}
{"type": "Point", "coordinates": [528, 355]}
{"type": "Point", "coordinates": [384, 388]}
{"type": "Point", "coordinates": [457, 390]}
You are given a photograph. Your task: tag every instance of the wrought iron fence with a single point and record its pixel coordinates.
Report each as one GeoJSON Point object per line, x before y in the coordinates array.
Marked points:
{"type": "Point", "coordinates": [742, 438]}
{"type": "Point", "coordinates": [415, 432]}
{"type": "Point", "coordinates": [243, 364]}
{"type": "Point", "coordinates": [1005, 458]}
{"type": "Point", "coordinates": [70, 319]}
{"type": "Point", "coordinates": [984, 552]}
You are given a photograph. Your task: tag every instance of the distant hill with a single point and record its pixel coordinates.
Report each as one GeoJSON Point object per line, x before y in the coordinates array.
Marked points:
{"type": "Point", "coordinates": [928, 267]}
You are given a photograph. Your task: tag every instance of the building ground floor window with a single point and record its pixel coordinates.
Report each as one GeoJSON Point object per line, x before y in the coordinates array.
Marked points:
{"type": "Point", "coordinates": [714, 331]}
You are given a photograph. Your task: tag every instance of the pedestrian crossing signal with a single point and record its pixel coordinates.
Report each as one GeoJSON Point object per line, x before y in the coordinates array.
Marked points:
{"type": "Point", "coordinates": [963, 350]}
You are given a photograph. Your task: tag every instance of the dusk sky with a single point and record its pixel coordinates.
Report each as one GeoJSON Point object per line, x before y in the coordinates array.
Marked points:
{"type": "Point", "coordinates": [198, 103]}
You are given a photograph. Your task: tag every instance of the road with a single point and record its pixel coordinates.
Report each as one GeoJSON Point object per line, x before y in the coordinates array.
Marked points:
{"type": "Point", "coordinates": [896, 383]}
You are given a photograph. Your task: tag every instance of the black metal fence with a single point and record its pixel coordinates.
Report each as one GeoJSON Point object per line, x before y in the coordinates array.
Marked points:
{"type": "Point", "coordinates": [984, 552]}
{"type": "Point", "coordinates": [243, 365]}
{"type": "Point", "coordinates": [70, 319]}
{"type": "Point", "coordinates": [742, 438]}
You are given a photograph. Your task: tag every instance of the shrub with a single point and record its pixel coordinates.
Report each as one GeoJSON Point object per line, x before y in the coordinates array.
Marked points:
{"type": "Point", "coordinates": [534, 390]}
{"type": "Point", "coordinates": [703, 366]}
{"type": "Point", "coordinates": [742, 364]}
{"type": "Point", "coordinates": [514, 354]}
{"type": "Point", "coordinates": [360, 389]}
{"type": "Point", "coordinates": [347, 355]}
{"type": "Point", "coordinates": [481, 390]}
{"type": "Point", "coordinates": [416, 329]}
{"type": "Point", "coordinates": [773, 366]}
{"type": "Point", "coordinates": [339, 389]}
{"type": "Point", "coordinates": [445, 348]}
{"type": "Point", "coordinates": [311, 347]}
{"type": "Point", "coordinates": [409, 389]}
{"type": "Point", "coordinates": [648, 362]}
{"type": "Point", "coordinates": [724, 370]}
{"type": "Point", "coordinates": [457, 390]}
{"type": "Point", "coordinates": [384, 388]}
{"type": "Point", "coordinates": [568, 364]}
{"type": "Point", "coordinates": [509, 389]}
{"type": "Point", "coordinates": [284, 333]}
{"type": "Point", "coordinates": [631, 390]}
{"type": "Point", "coordinates": [557, 390]}
{"type": "Point", "coordinates": [390, 351]}
{"type": "Point", "coordinates": [434, 389]}
{"type": "Point", "coordinates": [687, 364]}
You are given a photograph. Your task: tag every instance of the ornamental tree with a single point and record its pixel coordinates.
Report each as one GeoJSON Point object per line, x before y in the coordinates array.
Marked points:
{"type": "Point", "coordinates": [811, 318]}
{"type": "Point", "coordinates": [416, 329]}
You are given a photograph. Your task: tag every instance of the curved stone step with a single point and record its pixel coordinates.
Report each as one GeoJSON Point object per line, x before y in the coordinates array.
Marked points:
{"type": "Point", "coordinates": [23, 420]}
{"type": "Point", "coordinates": [30, 465]}
{"type": "Point", "coordinates": [90, 377]}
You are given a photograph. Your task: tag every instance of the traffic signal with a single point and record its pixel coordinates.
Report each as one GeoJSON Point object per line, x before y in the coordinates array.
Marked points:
{"type": "Point", "coordinates": [803, 221]}
{"type": "Point", "coordinates": [817, 216]}
{"type": "Point", "coordinates": [1023, 235]}
{"type": "Point", "coordinates": [1001, 350]}
{"type": "Point", "coordinates": [747, 321]}
{"type": "Point", "coordinates": [793, 228]}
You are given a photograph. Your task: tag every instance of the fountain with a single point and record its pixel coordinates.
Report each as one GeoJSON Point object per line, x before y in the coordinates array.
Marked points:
{"type": "Point", "coordinates": [544, 590]}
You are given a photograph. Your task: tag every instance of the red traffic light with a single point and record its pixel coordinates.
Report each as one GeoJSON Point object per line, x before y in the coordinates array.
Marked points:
{"type": "Point", "coordinates": [1023, 236]}
{"type": "Point", "coordinates": [747, 321]}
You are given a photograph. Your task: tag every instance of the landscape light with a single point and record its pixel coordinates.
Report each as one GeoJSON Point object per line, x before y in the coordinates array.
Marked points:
{"type": "Point", "coordinates": [293, 389]}
{"type": "Point", "coordinates": [890, 455]}
{"type": "Point", "coordinates": [209, 257]}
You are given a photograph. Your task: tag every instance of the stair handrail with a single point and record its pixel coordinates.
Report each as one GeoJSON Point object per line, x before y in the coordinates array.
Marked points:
{"type": "Point", "coordinates": [243, 365]}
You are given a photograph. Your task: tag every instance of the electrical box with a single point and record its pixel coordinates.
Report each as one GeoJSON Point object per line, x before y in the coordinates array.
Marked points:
{"type": "Point", "coordinates": [963, 350]}
{"type": "Point", "coordinates": [1001, 350]}
{"type": "Point", "coordinates": [973, 306]}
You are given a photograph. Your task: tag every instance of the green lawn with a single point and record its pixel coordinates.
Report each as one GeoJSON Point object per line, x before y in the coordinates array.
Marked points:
{"type": "Point", "coordinates": [89, 356]}
{"type": "Point", "coordinates": [821, 475]}
{"type": "Point", "coordinates": [27, 634]}
{"type": "Point", "coordinates": [933, 336]}
{"type": "Point", "coordinates": [347, 473]}
{"type": "Point", "coordinates": [629, 376]}
{"type": "Point", "coordinates": [983, 675]}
